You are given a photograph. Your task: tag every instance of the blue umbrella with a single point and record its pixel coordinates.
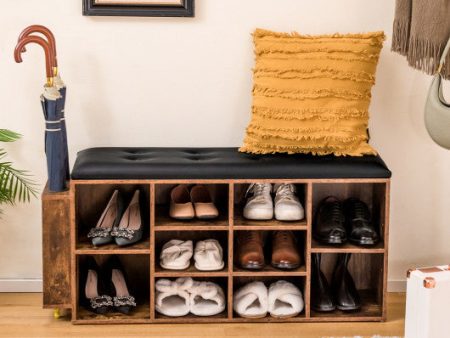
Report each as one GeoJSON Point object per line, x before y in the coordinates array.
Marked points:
{"type": "Point", "coordinates": [57, 82]}
{"type": "Point", "coordinates": [52, 101]}
{"type": "Point", "coordinates": [56, 170]}
{"type": "Point", "coordinates": [61, 103]}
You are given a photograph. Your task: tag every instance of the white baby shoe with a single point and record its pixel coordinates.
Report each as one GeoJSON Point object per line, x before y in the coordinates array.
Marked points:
{"type": "Point", "coordinates": [206, 299]}
{"type": "Point", "coordinates": [172, 297]}
{"type": "Point", "coordinates": [287, 205]}
{"type": "Point", "coordinates": [176, 255]}
{"type": "Point", "coordinates": [251, 301]}
{"type": "Point", "coordinates": [208, 255]}
{"type": "Point", "coordinates": [259, 206]}
{"type": "Point", "coordinates": [285, 300]}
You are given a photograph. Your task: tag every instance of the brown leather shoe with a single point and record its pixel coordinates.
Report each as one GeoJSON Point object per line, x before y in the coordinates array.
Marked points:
{"type": "Point", "coordinates": [250, 253]}
{"type": "Point", "coordinates": [285, 253]}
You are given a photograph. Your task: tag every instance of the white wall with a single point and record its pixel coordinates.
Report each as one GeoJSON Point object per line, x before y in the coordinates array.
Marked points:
{"type": "Point", "coordinates": [187, 82]}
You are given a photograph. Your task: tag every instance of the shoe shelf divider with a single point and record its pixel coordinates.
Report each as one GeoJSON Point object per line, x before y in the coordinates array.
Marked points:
{"type": "Point", "coordinates": [369, 269]}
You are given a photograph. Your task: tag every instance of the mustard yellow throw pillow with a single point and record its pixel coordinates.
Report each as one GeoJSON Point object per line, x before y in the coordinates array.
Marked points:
{"type": "Point", "coordinates": [311, 94]}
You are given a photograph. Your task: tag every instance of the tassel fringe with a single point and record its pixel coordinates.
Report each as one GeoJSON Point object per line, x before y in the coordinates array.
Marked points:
{"type": "Point", "coordinates": [322, 114]}
{"type": "Point", "coordinates": [261, 149]}
{"type": "Point", "coordinates": [304, 73]}
{"type": "Point", "coordinates": [311, 94]}
{"type": "Point", "coordinates": [400, 37]}
{"type": "Point", "coordinates": [425, 56]}
{"type": "Point", "coordinates": [377, 37]}
{"type": "Point", "coordinates": [421, 54]}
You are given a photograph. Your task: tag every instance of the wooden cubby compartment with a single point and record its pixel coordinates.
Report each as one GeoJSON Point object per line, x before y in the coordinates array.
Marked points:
{"type": "Point", "coordinates": [162, 237]}
{"type": "Point", "coordinates": [368, 265]}
{"type": "Point", "coordinates": [137, 273]}
{"type": "Point", "coordinates": [92, 199]}
{"type": "Point", "coordinates": [221, 281]}
{"type": "Point", "coordinates": [299, 282]}
{"type": "Point", "coordinates": [269, 270]}
{"type": "Point", "coordinates": [373, 194]}
{"type": "Point", "coordinates": [163, 222]}
{"type": "Point", "coordinates": [242, 223]}
{"type": "Point", "coordinates": [367, 272]}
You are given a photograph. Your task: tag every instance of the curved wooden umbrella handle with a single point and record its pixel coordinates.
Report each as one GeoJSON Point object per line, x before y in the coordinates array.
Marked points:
{"type": "Point", "coordinates": [44, 31]}
{"type": "Point", "coordinates": [48, 54]}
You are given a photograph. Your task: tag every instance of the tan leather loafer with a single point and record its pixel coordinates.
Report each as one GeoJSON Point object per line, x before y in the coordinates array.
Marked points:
{"type": "Point", "coordinates": [203, 203]}
{"type": "Point", "coordinates": [250, 253]}
{"type": "Point", "coordinates": [180, 203]}
{"type": "Point", "coordinates": [285, 254]}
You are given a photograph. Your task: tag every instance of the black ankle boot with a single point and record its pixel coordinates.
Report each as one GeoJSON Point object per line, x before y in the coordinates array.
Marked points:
{"type": "Point", "coordinates": [321, 299]}
{"type": "Point", "coordinates": [344, 289]}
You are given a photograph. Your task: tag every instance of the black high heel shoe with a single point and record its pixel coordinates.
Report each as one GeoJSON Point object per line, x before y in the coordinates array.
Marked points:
{"type": "Point", "coordinates": [110, 218]}
{"type": "Point", "coordinates": [122, 300]}
{"type": "Point", "coordinates": [95, 296]}
{"type": "Point", "coordinates": [130, 228]}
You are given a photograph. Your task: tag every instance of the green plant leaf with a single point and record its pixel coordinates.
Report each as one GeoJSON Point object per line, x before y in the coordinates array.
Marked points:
{"type": "Point", "coordinates": [15, 185]}
{"type": "Point", "coordinates": [8, 135]}
{"type": "Point", "coordinates": [5, 197]}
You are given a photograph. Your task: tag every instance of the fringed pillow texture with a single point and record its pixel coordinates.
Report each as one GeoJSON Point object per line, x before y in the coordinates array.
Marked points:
{"type": "Point", "coordinates": [311, 94]}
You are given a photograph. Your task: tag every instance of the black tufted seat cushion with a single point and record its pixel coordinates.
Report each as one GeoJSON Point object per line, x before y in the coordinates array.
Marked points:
{"type": "Point", "coordinates": [218, 163]}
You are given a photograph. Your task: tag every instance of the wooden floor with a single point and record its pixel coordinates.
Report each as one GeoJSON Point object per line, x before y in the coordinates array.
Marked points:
{"type": "Point", "coordinates": [21, 315]}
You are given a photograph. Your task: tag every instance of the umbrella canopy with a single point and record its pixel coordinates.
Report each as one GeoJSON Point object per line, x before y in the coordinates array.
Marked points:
{"type": "Point", "coordinates": [62, 114]}
{"type": "Point", "coordinates": [51, 100]}
{"type": "Point", "coordinates": [58, 83]}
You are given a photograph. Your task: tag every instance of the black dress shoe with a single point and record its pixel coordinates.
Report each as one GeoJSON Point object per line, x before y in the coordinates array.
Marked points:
{"type": "Point", "coordinates": [321, 299]}
{"type": "Point", "coordinates": [94, 296]}
{"type": "Point", "coordinates": [123, 301]}
{"type": "Point", "coordinates": [358, 222]}
{"type": "Point", "coordinates": [344, 289]}
{"type": "Point", "coordinates": [329, 227]}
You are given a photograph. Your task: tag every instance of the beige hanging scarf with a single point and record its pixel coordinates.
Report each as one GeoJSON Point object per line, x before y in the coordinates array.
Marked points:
{"type": "Point", "coordinates": [421, 31]}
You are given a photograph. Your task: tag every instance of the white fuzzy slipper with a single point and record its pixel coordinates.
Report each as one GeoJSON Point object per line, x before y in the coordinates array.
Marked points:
{"type": "Point", "coordinates": [251, 301]}
{"type": "Point", "coordinates": [208, 255]}
{"type": "Point", "coordinates": [207, 299]}
{"type": "Point", "coordinates": [285, 300]}
{"type": "Point", "coordinates": [176, 255]}
{"type": "Point", "coordinates": [172, 297]}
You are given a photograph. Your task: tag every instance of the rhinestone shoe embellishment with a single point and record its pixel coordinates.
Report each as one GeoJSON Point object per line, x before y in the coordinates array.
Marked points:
{"type": "Point", "coordinates": [124, 233]}
{"type": "Point", "coordinates": [101, 301]}
{"type": "Point", "coordinates": [124, 301]}
{"type": "Point", "coordinates": [99, 232]}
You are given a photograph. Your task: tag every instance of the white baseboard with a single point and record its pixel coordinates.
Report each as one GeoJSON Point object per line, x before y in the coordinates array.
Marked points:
{"type": "Point", "coordinates": [35, 285]}
{"type": "Point", "coordinates": [21, 285]}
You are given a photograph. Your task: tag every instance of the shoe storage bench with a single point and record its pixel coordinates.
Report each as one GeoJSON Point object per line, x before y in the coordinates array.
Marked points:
{"type": "Point", "coordinates": [68, 216]}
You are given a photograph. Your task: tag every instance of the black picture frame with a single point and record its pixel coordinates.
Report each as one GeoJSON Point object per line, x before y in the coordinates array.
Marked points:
{"type": "Point", "coordinates": [90, 8]}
